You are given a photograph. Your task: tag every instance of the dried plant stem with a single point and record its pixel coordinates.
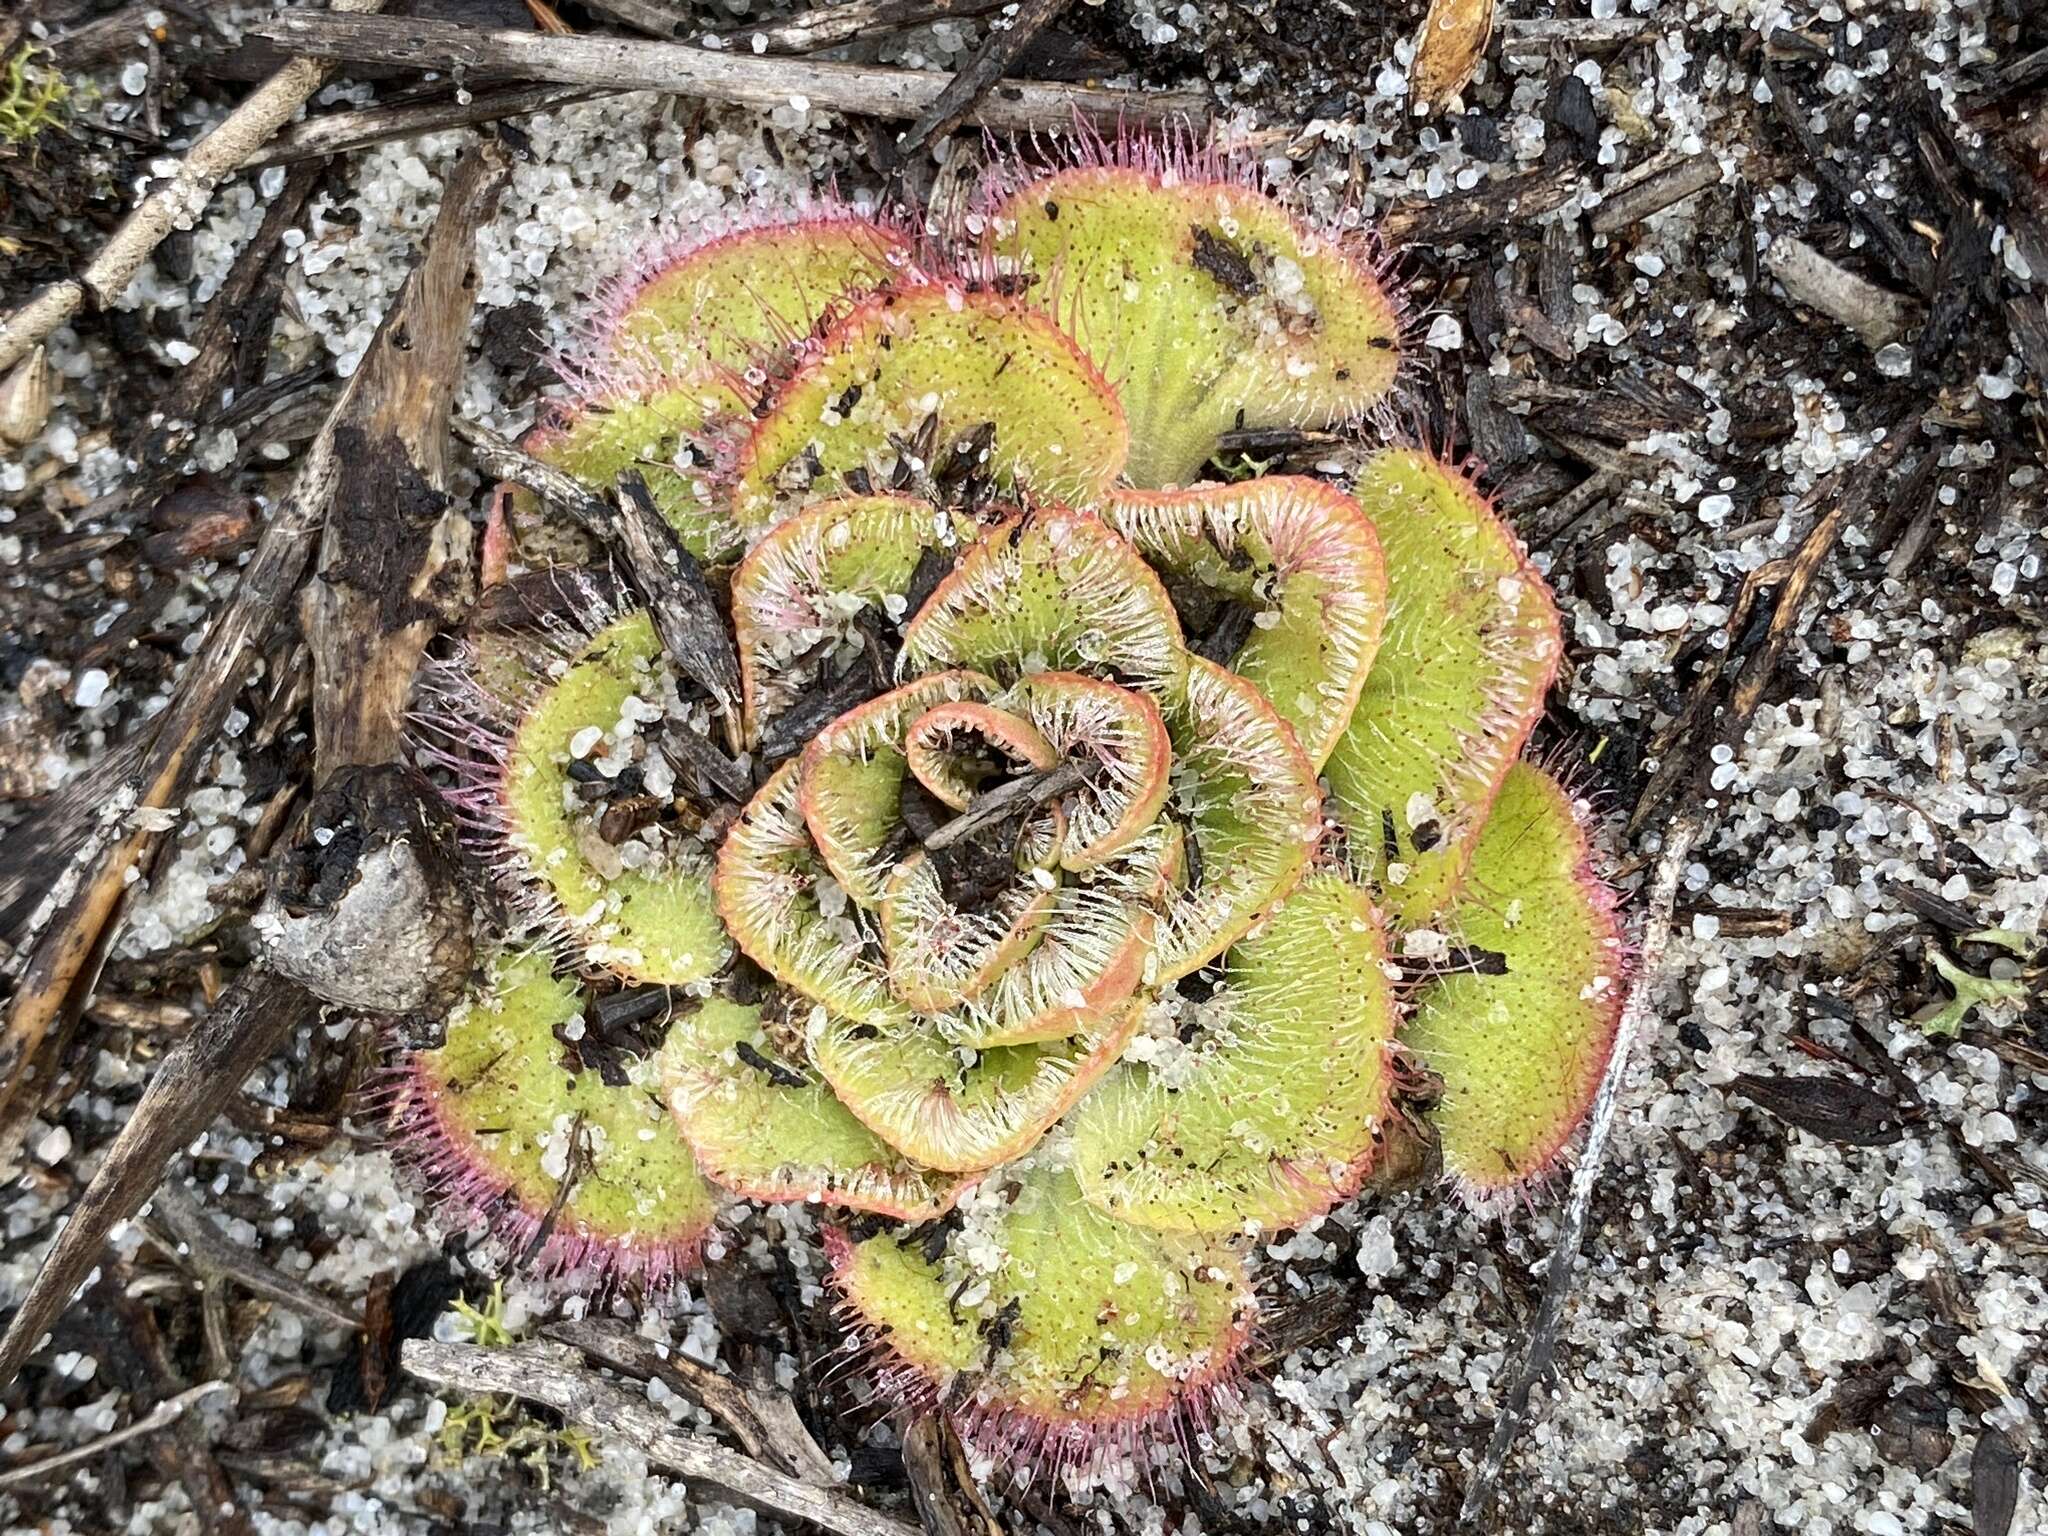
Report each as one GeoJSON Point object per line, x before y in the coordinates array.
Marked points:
{"type": "Point", "coordinates": [623, 63]}
{"type": "Point", "coordinates": [1679, 840]}
{"type": "Point", "coordinates": [162, 1416]}
{"type": "Point", "coordinates": [829, 25]}
{"type": "Point", "coordinates": [765, 1422]}
{"type": "Point", "coordinates": [554, 1377]}
{"type": "Point", "coordinates": [191, 1234]}
{"type": "Point", "coordinates": [176, 204]}
{"type": "Point", "coordinates": [337, 133]}
{"type": "Point", "coordinates": [365, 642]}
{"type": "Point", "coordinates": [1003, 46]}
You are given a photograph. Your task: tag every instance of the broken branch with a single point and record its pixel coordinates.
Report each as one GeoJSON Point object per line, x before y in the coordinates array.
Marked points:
{"type": "Point", "coordinates": [176, 204]}
{"type": "Point", "coordinates": [162, 1416]}
{"type": "Point", "coordinates": [624, 63]}
{"type": "Point", "coordinates": [764, 1423]}
{"type": "Point", "coordinates": [551, 1376]}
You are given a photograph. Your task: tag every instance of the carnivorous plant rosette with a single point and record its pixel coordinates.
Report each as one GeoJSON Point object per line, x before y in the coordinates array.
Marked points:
{"type": "Point", "coordinates": [1098, 863]}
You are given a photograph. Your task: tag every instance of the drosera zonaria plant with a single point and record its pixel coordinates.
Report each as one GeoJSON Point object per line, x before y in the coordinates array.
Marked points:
{"type": "Point", "coordinates": [1108, 859]}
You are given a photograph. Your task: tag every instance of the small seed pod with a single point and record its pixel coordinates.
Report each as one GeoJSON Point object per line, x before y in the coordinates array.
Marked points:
{"type": "Point", "coordinates": [25, 401]}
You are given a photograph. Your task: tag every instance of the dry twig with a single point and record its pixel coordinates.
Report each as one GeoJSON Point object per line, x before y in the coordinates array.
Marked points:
{"type": "Point", "coordinates": [190, 1235]}
{"type": "Point", "coordinates": [623, 63]}
{"type": "Point", "coordinates": [176, 204]}
{"type": "Point", "coordinates": [830, 25]}
{"type": "Point", "coordinates": [554, 1377]}
{"type": "Point", "coordinates": [764, 1422]}
{"type": "Point", "coordinates": [162, 1416]}
{"type": "Point", "coordinates": [256, 1014]}
{"type": "Point", "coordinates": [337, 133]}
{"type": "Point", "coordinates": [261, 1009]}
{"type": "Point", "coordinates": [1003, 46]}
{"type": "Point", "coordinates": [1679, 840]}
{"type": "Point", "coordinates": [1656, 192]}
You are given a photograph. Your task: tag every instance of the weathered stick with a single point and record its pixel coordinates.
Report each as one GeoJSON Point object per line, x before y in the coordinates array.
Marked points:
{"type": "Point", "coordinates": [764, 1423]}
{"type": "Point", "coordinates": [162, 1416]}
{"type": "Point", "coordinates": [623, 63]}
{"type": "Point", "coordinates": [261, 1008]}
{"type": "Point", "coordinates": [191, 1234]}
{"type": "Point", "coordinates": [1679, 839]}
{"type": "Point", "coordinates": [1877, 315]}
{"type": "Point", "coordinates": [395, 554]}
{"type": "Point", "coordinates": [830, 25]}
{"type": "Point", "coordinates": [1656, 192]}
{"type": "Point", "coordinates": [176, 204]}
{"type": "Point", "coordinates": [254, 1016]}
{"type": "Point", "coordinates": [554, 1377]}
{"type": "Point", "coordinates": [1003, 46]}
{"type": "Point", "coordinates": [337, 133]}
{"type": "Point", "coordinates": [1516, 199]}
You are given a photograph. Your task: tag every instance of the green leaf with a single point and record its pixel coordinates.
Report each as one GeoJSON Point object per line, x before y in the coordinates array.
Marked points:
{"type": "Point", "coordinates": [1208, 305]}
{"type": "Point", "coordinates": [768, 884]}
{"type": "Point", "coordinates": [1049, 1329]}
{"type": "Point", "coordinates": [809, 578]}
{"type": "Point", "coordinates": [1521, 1054]}
{"type": "Point", "coordinates": [1271, 1114]}
{"type": "Point", "coordinates": [1245, 795]}
{"type": "Point", "coordinates": [954, 1108]}
{"type": "Point", "coordinates": [730, 302]}
{"type": "Point", "coordinates": [1304, 558]}
{"type": "Point", "coordinates": [1470, 647]}
{"type": "Point", "coordinates": [771, 1131]}
{"type": "Point", "coordinates": [1051, 590]}
{"type": "Point", "coordinates": [933, 366]}
{"type": "Point", "coordinates": [657, 430]}
{"type": "Point", "coordinates": [572, 1176]}
{"type": "Point", "coordinates": [656, 923]}
{"type": "Point", "coordinates": [669, 366]}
